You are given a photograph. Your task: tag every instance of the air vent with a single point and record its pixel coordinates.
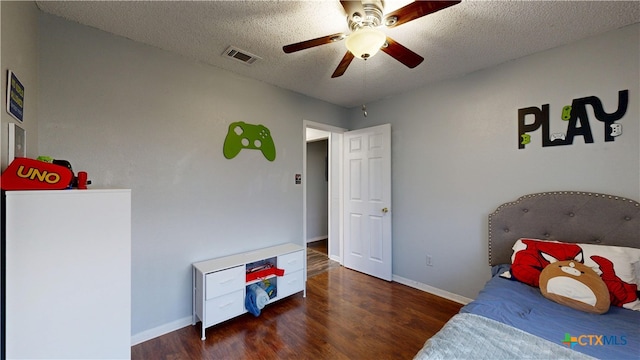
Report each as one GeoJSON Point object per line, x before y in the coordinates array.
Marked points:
{"type": "Point", "coordinates": [240, 55]}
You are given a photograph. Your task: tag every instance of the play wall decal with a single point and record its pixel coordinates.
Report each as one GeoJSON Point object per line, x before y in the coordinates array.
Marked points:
{"type": "Point", "coordinates": [577, 118]}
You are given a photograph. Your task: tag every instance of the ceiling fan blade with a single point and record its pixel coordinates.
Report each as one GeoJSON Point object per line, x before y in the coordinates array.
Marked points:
{"type": "Point", "coordinates": [415, 10]}
{"type": "Point", "coordinates": [402, 54]}
{"type": "Point", "coordinates": [344, 63]}
{"type": "Point", "coordinates": [313, 43]}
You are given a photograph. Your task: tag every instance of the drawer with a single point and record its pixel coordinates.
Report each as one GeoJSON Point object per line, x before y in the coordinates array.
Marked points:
{"type": "Point", "coordinates": [291, 262]}
{"type": "Point", "coordinates": [224, 307]}
{"type": "Point", "coordinates": [225, 281]}
{"type": "Point", "coordinates": [290, 283]}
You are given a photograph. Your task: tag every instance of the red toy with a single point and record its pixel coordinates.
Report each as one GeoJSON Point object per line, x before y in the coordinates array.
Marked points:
{"type": "Point", "coordinates": [30, 174]}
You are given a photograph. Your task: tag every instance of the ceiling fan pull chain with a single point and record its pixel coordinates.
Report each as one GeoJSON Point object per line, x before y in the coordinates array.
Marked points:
{"type": "Point", "coordinates": [364, 89]}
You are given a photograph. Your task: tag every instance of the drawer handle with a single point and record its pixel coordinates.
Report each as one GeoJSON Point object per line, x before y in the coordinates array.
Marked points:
{"type": "Point", "coordinates": [226, 281]}
{"type": "Point", "coordinates": [225, 305]}
{"type": "Point", "coordinates": [292, 281]}
{"type": "Point", "coordinates": [292, 261]}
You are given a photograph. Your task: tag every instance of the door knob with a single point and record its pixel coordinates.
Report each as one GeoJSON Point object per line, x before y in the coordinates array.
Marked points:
{"type": "Point", "coordinates": [385, 210]}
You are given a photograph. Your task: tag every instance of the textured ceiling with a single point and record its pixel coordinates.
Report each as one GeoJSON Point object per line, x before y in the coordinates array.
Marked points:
{"type": "Point", "coordinates": [455, 41]}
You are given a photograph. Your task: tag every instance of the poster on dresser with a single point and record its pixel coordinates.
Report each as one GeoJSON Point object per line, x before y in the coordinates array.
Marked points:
{"type": "Point", "coordinates": [15, 96]}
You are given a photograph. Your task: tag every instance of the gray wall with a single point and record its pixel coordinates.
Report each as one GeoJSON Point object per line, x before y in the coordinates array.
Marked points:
{"type": "Point", "coordinates": [317, 191]}
{"type": "Point", "coordinates": [20, 55]}
{"type": "Point", "coordinates": [455, 154]}
{"type": "Point", "coordinates": [136, 117]}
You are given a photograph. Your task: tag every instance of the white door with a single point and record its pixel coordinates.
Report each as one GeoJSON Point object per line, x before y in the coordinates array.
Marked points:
{"type": "Point", "coordinates": [367, 207]}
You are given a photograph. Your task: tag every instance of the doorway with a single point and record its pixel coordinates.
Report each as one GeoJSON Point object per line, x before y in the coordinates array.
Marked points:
{"type": "Point", "coordinates": [317, 176]}
{"type": "Point", "coordinates": [328, 169]}
{"type": "Point", "coordinates": [317, 180]}
{"type": "Point", "coordinates": [360, 228]}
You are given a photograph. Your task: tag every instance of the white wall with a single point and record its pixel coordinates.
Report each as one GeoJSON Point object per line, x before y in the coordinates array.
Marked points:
{"type": "Point", "coordinates": [456, 157]}
{"type": "Point", "coordinates": [137, 117]}
{"type": "Point", "coordinates": [317, 191]}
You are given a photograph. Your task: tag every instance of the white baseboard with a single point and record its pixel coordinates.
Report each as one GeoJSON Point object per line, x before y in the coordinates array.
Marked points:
{"type": "Point", "coordinates": [317, 238]}
{"type": "Point", "coordinates": [160, 330]}
{"type": "Point", "coordinates": [432, 290]}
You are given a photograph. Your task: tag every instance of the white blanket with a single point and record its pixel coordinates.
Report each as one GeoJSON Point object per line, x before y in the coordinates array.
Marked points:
{"type": "Point", "coordinates": [470, 336]}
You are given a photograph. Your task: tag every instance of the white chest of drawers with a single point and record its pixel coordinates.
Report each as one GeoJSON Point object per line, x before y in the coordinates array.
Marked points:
{"type": "Point", "coordinates": [219, 285]}
{"type": "Point", "coordinates": [68, 274]}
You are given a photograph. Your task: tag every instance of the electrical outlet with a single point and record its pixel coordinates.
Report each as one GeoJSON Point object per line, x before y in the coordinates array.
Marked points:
{"type": "Point", "coordinates": [429, 263]}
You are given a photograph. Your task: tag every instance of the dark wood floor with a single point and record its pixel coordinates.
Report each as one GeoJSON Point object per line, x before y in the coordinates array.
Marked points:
{"type": "Point", "coordinates": [320, 245]}
{"type": "Point", "coordinates": [346, 315]}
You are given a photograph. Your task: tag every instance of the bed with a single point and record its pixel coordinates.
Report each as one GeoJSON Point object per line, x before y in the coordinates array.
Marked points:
{"type": "Point", "coordinates": [511, 319]}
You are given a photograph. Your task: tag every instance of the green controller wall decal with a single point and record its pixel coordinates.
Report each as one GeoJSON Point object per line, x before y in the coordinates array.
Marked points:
{"type": "Point", "coordinates": [248, 136]}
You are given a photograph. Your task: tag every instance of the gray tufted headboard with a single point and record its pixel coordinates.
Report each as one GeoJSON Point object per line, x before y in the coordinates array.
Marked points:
{"type": "Point", "coordinates": [568, 216]}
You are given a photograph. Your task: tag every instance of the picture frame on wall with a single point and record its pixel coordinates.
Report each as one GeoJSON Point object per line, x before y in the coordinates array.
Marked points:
{"type": "Point", "coordinates": [15, 96]}
{"type": "Point", "coordinates": [17, 142]}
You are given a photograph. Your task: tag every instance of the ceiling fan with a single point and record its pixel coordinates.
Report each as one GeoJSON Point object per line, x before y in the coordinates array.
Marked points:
{"type": "Point", "coordinates": [364, 41]}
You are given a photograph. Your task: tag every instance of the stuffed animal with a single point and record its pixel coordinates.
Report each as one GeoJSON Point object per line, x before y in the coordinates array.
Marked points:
{"type": "Point", "coordinates": [575, 285]}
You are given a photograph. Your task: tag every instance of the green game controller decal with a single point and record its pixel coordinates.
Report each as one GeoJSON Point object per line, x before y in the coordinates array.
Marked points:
{"type": "Point", "coordinates": [248, 136]}
{"type": "Point", "coordinates": [566, 113]}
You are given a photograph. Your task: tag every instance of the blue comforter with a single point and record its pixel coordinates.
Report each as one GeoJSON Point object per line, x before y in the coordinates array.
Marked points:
{"type": "Point", "coordinates": [613, 335]}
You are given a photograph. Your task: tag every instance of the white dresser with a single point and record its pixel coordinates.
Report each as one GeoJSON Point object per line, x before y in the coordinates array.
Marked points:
{"type": "Point", "coordinates": [220, 286]}
{"type": "Point", "coordinates": [68, 274]}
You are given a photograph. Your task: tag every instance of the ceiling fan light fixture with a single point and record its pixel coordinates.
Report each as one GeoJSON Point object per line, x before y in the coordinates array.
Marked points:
{"type": "Point", "coordinates": [365, 42]}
